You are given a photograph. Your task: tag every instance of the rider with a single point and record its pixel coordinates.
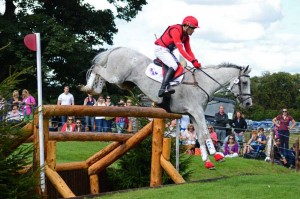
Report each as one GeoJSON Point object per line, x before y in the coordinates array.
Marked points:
{"type": "Point", "coordinates": [175, 36]}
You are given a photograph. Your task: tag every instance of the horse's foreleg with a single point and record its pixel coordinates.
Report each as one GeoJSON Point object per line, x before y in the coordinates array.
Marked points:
{"type": "Point", "coordinates": [89, 86]}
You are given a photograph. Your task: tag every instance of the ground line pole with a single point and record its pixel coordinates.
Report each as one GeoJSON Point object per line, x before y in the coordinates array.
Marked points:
{"type": "Point", "coordinates": [40, 104]}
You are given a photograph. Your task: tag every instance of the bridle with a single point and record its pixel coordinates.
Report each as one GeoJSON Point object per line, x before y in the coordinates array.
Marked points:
{"type": "Point", "coordinates": [240, 95]}
{"type": "Point", "coordinates": [237, 82]}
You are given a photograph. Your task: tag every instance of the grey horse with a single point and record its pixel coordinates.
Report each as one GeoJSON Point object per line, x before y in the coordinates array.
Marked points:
{"type": "Point", "coordinates": [126, 68]}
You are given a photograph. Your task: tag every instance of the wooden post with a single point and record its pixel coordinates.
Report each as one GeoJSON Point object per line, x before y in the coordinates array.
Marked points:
{"type": "Point", "coordinates": [157, 142]}
{"type": "Point", "coordinates": [297, 155]}
{"type": "Point", "coordinates": [94, 184]}
{"type": "Point", "coordinates": [51, 155]}
{"type": "Point", "coordinates": [171, 171]}
{"type": "Point", "coordinates": [121, 150]}
{"type": "Point", "coordinates": [166, 148]}
{"type": "Point", "coordinates": [272, 149]}
{"type": "Point", "coordinates": [58, 183]}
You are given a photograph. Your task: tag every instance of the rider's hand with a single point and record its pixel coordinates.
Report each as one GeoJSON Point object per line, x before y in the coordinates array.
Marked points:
{"type": "Point", "coordinates": [196, 63]}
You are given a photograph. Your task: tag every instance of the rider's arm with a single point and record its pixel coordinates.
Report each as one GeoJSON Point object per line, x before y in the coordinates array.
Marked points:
{"type": "Point", "coordinates": [188, 49]}
{"type": "Point", "coordinates": [178, 43]}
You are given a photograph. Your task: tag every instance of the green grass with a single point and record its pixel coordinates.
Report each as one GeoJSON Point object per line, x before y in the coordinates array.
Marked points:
{"type": "Point", "coordinates": [77, 151]}
{"type": "Point", "coordinates": [258, 186]}
{"type": "Point", "coordinates": [237, 177]}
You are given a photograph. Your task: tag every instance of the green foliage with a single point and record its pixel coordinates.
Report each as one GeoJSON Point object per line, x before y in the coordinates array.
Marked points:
{"type": "Point", "coordinates": [271, 93]}
{"type": "Point", "coordinates": [72, 33]}
{"type": "Point", "coordinates": [135, 167]}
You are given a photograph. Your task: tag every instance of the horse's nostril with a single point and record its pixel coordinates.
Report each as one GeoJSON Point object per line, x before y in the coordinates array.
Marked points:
{"type": "Point", "coordinates": [248, 104]}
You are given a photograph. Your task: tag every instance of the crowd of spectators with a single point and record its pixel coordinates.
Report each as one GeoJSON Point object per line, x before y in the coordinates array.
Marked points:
{"type": "Point", "coordinates": [17, 109]}
{"type": "Point", "coordinates": [231, 143]}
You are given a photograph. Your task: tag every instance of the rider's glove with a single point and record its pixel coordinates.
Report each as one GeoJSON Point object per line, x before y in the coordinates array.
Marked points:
{"type": "Point", "coordinates": [196, 63]}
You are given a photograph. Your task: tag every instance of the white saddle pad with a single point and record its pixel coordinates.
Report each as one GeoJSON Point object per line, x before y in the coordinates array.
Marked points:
{"type": "Point", "coordinates": [155, 72]}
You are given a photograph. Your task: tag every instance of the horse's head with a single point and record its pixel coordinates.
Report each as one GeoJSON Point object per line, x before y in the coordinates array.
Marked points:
{"type": "Point", "coordinates": [240, 87]}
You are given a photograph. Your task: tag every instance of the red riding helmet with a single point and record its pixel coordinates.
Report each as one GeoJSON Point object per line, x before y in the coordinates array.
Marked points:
{"type": "Point", "coordinates": [191, 21]}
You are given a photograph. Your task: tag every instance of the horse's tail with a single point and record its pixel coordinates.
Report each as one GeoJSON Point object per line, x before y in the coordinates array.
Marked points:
{"type": "Point", "coordinates": [101, 58]}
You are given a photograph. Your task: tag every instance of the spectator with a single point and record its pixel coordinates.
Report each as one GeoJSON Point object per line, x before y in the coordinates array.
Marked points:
{"type": "Point", "coordinates": [89, 120]}
{"type": "Point", "coordinates": [15, 100]}
{"type": "Point", "coordinates": [2, 108]}
{"type": "Point", "coordinates": [279, 158]}
{"type": "Point", "coordinates": [66, 98]}
{"type": "Point", "coordinates": [183, 122]}
{"type": "Point", "coordinates": [221, 121]}
{"type": "Point", "coordinates": [190, 138]}
{"type": "Point", "coordinates": [108, 120]}
{"type": "Point", "coordinates": [252, 144]}
{"type": "Point", "coordinates": [213, 136]}
{"type": "Point", "coordinates": [171, 129]}
{"type": "Point", "coordinates": [100, 119]}
{"type": "Point", "coordinates": [28, 105]}
{"type": "Point", "coordinates": [14, 116]}
{"type": "Point", "coordinates": [291, 157]}
{"type": "Point", "coordinates": [240, 126]}
{"type": "Point", "coordinates": [133, 123]}
{"type": "Point", "coordinates": [69, 126]}
{"type": "Point", "coordinates": [282, 121]}
{"type": "Point", "coordinates": [121, 122]}
{"type": "Point", "coordinates": [231, 148]}
{"type": "Point", "coordinates": [78, 126]}
{"type": "Point", "coordinates": [262, 139]}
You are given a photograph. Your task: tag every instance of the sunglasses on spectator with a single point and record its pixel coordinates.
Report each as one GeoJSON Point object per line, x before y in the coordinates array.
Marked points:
{"type": "Point", "coordinates": [284, 111]}
{"type": "Point", "coordinates": [108, 98]}
{"type": "Point", "coordinates": [70, 119]}
{"type": "Point", "coordinates": [209, 128]}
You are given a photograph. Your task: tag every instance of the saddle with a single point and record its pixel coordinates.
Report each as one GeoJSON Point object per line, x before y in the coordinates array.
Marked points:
{"type": "Point", "coordinates": [179, 71]}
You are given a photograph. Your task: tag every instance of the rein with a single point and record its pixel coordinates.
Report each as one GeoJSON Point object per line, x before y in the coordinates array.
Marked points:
{"type": "Point", "coordinates": [195, 83]}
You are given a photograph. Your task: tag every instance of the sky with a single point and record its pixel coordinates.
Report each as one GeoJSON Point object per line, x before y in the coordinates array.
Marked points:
{"type": "Point", "coordinates": [261, 33]}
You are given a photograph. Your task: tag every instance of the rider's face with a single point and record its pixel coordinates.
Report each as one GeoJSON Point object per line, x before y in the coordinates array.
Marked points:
{"type": "Point", "coordinates": [190, 30]}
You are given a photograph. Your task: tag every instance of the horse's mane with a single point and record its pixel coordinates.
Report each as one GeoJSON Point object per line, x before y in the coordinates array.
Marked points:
{"type": "Point", "coordinates": [101, 58]}
{"type": "Point", "coordinates": [222, 65]}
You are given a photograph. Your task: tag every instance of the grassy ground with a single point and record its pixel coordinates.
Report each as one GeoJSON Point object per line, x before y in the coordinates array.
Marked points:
{"type": "Point", "coordinates": [258, 186]}
{"type": "Point", "coordinates": [237, 177]}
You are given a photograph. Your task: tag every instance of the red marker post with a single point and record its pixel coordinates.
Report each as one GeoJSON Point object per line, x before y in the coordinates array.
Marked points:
{"type": "Point", "coordinates": [33, 42]}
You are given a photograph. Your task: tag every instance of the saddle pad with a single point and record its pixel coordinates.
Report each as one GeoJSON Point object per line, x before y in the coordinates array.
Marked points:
{"type": "Point", "coordinates": [155, 72]}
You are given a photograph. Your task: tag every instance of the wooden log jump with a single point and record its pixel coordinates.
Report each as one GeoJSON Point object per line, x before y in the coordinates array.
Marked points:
{"type": "Point", "coordinates": [106, 156]}
{"type": "Point", "coordinates": [84, 136]}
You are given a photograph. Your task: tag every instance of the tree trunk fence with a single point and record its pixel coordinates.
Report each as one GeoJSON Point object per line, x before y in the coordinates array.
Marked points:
{"type": "Point", "coordinates": [106, 156]}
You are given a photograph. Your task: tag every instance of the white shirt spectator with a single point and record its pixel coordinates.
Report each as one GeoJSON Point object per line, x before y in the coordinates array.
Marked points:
{"type": "Point", "coordinates": [66, 99]}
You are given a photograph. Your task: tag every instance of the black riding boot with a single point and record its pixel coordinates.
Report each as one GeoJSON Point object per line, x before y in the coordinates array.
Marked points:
{"type": "Point", "coordinates": [165, 87]}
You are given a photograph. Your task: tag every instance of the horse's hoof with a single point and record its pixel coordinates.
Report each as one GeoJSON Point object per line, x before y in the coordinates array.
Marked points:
{"type": "Point", "coordinates": [219, 157]}
{"type": "Point", "coordinates": [209, 165]}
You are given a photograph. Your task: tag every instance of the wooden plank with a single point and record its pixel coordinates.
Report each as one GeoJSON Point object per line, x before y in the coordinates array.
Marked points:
{"type": "Point", "coordinates": [121, 150]}
{"type": "Point", "coordinates": [58, 183]}
{"type": "Point", "coordinates": [171, 171]}
{"type": "Point", "coordinates": [111, 111]}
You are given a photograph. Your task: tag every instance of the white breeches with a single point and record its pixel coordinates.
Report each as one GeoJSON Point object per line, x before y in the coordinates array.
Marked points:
{"type": "Point", "coordinates": [166, 56]}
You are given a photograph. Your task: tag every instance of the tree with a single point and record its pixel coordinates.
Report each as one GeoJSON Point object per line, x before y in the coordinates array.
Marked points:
{"type": "Point", "coordinates": [72, 32]}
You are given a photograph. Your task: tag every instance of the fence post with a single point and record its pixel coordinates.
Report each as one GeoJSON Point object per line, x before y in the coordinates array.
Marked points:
{"type": "Point", "coordinates": [157, 142]}
{"type": "Point", "coordinates": [297, 155]}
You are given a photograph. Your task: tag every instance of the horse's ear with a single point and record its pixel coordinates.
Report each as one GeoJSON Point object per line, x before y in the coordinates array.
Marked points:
{"type": "Point", "coordinates": [247, 67]}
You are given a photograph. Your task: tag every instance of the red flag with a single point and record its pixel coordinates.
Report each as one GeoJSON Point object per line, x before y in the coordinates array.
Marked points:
{"type": "Point", "coordinates": [30, 42]}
